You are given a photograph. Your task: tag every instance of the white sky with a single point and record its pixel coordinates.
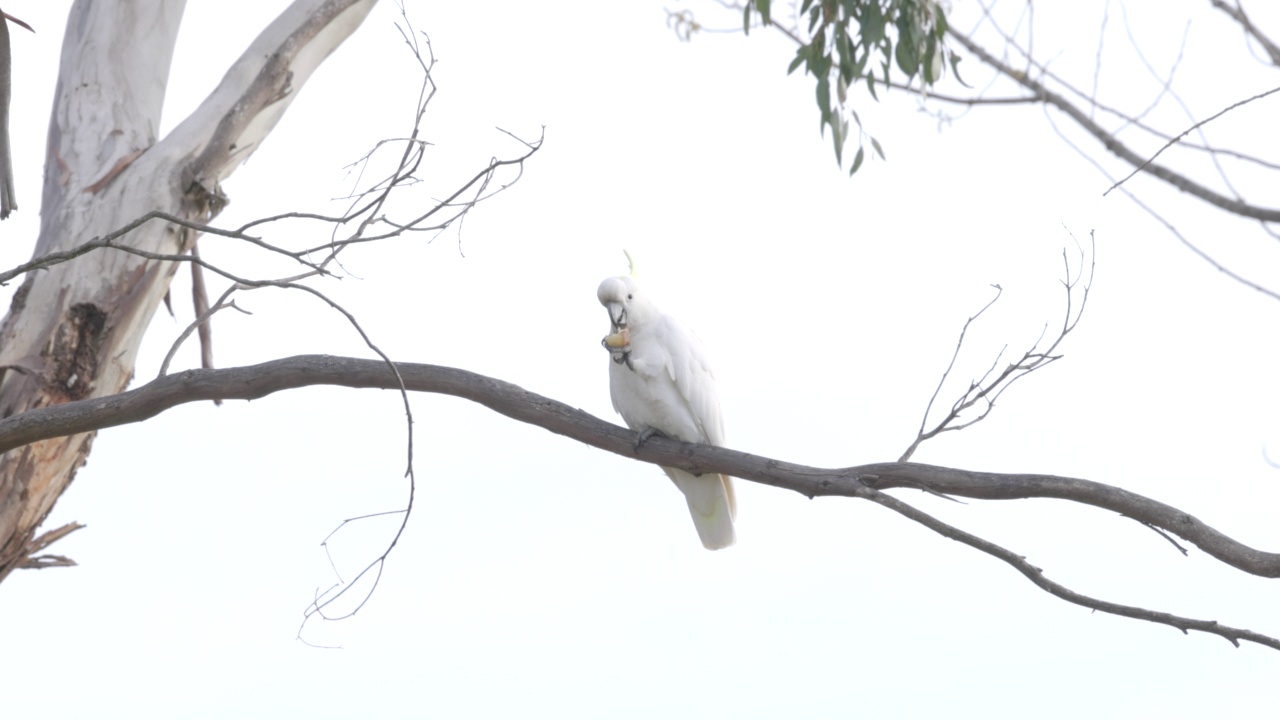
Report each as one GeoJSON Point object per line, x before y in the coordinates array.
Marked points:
{"type": "Point", "coordinates": [542, 578]}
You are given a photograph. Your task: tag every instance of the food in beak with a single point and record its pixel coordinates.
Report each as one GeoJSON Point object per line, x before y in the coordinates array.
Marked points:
{"type": "Point", "coordinates": [620, 339]}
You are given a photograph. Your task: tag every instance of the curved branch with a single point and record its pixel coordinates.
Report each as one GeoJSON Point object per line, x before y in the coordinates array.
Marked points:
{"type": "Point", "coordinates": [1237, 13]}
{"type": "Point", "coordinates": [1113, 144]}
{"type": "Point", "coordinates": [866, 481]}
{"type": "Point", "coordinates": [256, 381]}
{"type": "Point", "coordinates": [1036, 575]}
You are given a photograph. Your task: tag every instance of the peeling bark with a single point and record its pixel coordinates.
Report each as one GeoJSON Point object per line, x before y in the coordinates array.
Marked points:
{"type": "Point", "coordinates": [73, 331]}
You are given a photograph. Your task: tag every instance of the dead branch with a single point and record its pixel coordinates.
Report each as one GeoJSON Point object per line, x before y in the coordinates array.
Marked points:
{"type": "Point", "coordinates": [34, 561]}
{"type": "Point", "coordinates": [982, 394]}
{"type": "Point", "coordinates": [864, 481]}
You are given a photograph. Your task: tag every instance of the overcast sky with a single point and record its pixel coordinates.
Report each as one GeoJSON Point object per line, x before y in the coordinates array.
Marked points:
{"type": "Point", "coordinates": [539, 577]}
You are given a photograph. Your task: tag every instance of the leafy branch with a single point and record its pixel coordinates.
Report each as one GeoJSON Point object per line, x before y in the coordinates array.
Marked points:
{"type": "Point", "coordinates": [849, 42]}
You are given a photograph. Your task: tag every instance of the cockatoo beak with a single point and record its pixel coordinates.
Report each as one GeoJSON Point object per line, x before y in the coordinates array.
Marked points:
{"type": "Point", "coordinates": [617, 316]}
{"type": "Point", "coordinates": [618, 341]}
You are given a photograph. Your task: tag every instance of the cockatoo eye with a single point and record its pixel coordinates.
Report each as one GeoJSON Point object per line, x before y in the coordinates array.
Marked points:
{"type": "Point", "coordinates": [629, 296]}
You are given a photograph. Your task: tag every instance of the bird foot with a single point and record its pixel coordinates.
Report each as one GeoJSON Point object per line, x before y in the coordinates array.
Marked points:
{"type": "Point", "coordinates": [644, 436]}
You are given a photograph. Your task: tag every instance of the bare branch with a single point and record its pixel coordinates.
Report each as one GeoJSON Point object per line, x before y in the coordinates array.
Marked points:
{"type": "Point", "coordinates": [32, 561]}
{"type": "Point", "coordinates": [1166, 536]}
{"type": "Point", "coordinates": [200, 321]}
{"type": "Point", "coordinates": [108, 240]}
{"type": "Point", "coordinates": [1036, 575]}
{"type": "Point", "coordinates": [1112, 143]}
{"type": "Point", "coordinates": [986, 390]}
{"type": "Point", "coordinates": [921, 436]}
{"type": "Point", "coordinates": [1237, 13]}
{"type": "Point", "coordinates": [929, 94]}
{"type": "Point", "coordinates": [1173, 141]}
{"type": "Point", "coordinates": [200, 303]}
{"type": "Point", "coordinates": [253, 382]}
{"type": "Point", "coordinates": [1167, 225]}
{"type": "Point", "coordinates": [257, 381]}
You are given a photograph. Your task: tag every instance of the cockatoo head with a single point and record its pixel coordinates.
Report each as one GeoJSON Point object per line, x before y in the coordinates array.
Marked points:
{"type": "Point", "coordinates": [628, 308]}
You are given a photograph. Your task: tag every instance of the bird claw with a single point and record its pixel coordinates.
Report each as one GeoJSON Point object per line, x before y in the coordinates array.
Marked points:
{"type": "Point", "coordinates": [619, 346]}
{"type": "Point", "coordinates": [644, 436]}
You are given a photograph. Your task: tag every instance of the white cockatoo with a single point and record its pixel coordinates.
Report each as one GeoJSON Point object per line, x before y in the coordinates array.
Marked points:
{"type": "Point", "coordinates": [660, 382]}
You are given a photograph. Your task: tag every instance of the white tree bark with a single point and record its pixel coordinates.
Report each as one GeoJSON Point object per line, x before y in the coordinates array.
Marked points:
{"type": "Point", "coordinates": [74, 330]}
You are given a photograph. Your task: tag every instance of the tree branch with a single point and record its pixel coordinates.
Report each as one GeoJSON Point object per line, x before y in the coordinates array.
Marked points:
{"type": "Point", "coordinates": [1036, 575]}
{"type": "Point", "coordinates": [1237, 13]}
{"type": "Point", "coordinates": [1111, 142]}
{"type": "Point", "coordinates": [1174, 140]}
{"type": "Point", "coordinates": [257, 381]}
{"type": "Point", "coordinates": [865, 481]}
{"type": "Point", "coordinates": [982, 394]}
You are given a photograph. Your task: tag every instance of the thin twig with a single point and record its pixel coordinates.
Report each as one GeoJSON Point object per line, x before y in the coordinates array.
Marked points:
{"type": "Point", "coordinates": [1189, 130]}
{"type": "Point", "coordinates": [1113, 144]}
{"type": "Point", "coordinates": [1173, 230]}
{"type": "Point", "coordinates": [987, 390]}
{"type": "Point", "coordinates": [202, 318]}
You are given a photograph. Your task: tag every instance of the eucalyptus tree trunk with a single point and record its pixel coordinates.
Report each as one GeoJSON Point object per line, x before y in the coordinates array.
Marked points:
{"type": "Point", "coordinates": [73, 330]}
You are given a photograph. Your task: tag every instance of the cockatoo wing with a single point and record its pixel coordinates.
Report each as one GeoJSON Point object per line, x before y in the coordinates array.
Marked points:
{"type": "Point", "coordinates": [689, 370]}
{"type": "Point", "coordinates": [710, 497]}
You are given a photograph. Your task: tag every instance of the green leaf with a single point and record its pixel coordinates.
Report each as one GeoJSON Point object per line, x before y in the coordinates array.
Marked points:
{"type": "Point", "coordinates": [848, 55]}
{"type": "Point", "coordinates": [746, 19]}
{"type": "Point", "coordinates": [819, 43]}
{"type": "Point", "coordinates": [820, 67]}
{"type": "Point", "coordinates": [859, 66]}
{"type": "Point", "coordinates": [802, 55]}
{"type": "Point", "coordinates": [875, 144]}
{"type": "Point", "coordinates": [907, 56]}
{"type": "Point", "coordinates": [824, 97]}
{"type": "Point", "coordinates": [955, 68]}
{"type": "Point", "coordinates": [837, 139]}
{"type": "Point", "coordinates": [857, 161]}
{"type": "Point", "coordinates": [763, 7]}
{"type": "Point", "coordinates": [930, 56]}
{"type": "Point", "coordinates": [872, 26]}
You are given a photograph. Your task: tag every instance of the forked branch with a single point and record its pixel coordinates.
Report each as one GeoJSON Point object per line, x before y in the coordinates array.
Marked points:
{"type": "Point", "coordinates": [979, 399]}
{"type": "Point", "coordinates": [865, 481]}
